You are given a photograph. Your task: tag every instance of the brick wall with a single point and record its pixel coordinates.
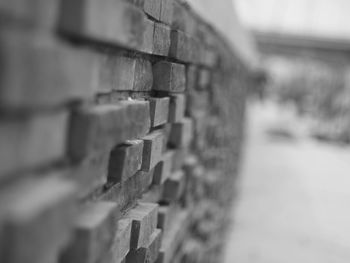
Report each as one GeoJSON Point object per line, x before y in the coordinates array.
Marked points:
{"type": "Point", "coordinates": [120, 132]}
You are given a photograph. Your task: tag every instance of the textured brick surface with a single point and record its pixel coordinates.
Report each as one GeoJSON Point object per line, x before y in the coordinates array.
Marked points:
{"type": "Point", "coordinates": [159, 111]}
{"type": "Point", "coordinates": [161, 40]}
{"type": "Point", "coordinates": [36, 217]}
{"type": "Point", "coordinates": [93, 234]}
{"type": "Point", "coordinates": [125, 161]}
{"type": "Point", "coordinates": [152, 150]}
{"type": "Point", "coordinates": [169, 77]}
{"type": "Point", "coordinates": [121, 124]}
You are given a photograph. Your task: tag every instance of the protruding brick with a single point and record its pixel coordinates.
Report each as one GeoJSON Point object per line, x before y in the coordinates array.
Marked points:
{"type": "Point", "coordinates": [176, 108]}
{"type": "Point", "coordinates": [152, 8]}
{"type": "Point", "coordinates": [125, 161]}
{"type": "Point", "coordinates": [125, 194]}
{"type": "Point", "coordinates": [161, 40]}
{"type": "Point", "coordinates": [143, 78]}
{"type": "Point", "coordinates": [152, 150]}
{"type": "Point", "coordinates": [93, 235]}
{"type": "Point", "coordinates": [109, 21]}
{"type": "Point", "coordinates": [148, 35]}
{"type": "Point", "coordinates": [180, 47]}
{"type": "Point", "coordinates": [116, 72]}
{"type": "Point", "coordinates": [104, 126]}
{"type": "Point", "coordinates": [203, 79]}
{"type": "Point", "coordinates": [163, 169]}
{"type": "Point", "coordinates": [61, 73]}
{"type": "Point", "coordinates": [174, 187]}
{"type": "Point", "coordinates": [181, 133]}
{"type": "Point", "coordinates": [148, 253]}
{"type": "Point", "coordinates": [172, 239]}
{"type": "Point", "coordinates": [166, 12]}
{"type": "Point", "coordinates": [166, 216]}
{"type": "Point", "coordinates": [41, 14]}
{"type": "Point", "coordinates": [35, 219]}
{"type": "Point", "coordinates": [32, 142]}
{"type": "Point", "coordinates": [121, 243]}
{"type": "Point", "coordinates": [144, 223]}
{"type": "Point", "coordinates": [159, 111]}
{"type": "Point", "coordinates": [169, 77]}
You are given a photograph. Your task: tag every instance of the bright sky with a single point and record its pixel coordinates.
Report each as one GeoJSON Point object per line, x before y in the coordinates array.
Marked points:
{"type": "Point", "coordinates": [327, 18]}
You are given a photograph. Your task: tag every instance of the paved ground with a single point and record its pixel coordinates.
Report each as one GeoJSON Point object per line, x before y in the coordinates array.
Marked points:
{"type": "Point", "coordinates": [294, 203]}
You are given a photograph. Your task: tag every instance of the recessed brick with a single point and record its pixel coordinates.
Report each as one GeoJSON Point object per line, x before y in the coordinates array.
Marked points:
{"type": "Point", "coordinates": [176, 108]}
{"type": "Point", "coordinates": [94, 232]}
{"type": "Point", "coordinates": [144, 223]}
{"type": "Point", "coordinates": [159, 111]}
{"type": "Point", "coordinates": [108, 21]}
{"type": "Point", "coordinates": [152, 150]}
{"type": "Point", "coordinates": [181, 134]}
{"type": "Point", "coordinates": [169, 77]}
{"type": "Point", "coordinates": [203, 79]}
{"type": "Point", "coordinates": [61, 73]}
{"type": "Point", "coordinates": [125, 161]}
{"type": "Point", "coordinates": [36, 218]}
{"type": "Point", "coordinates": [104, 126]}
{"type": "Point", "coordinates": [161, 41]}
{"type": "Point", "coordinates": [174, 187]}
{"type": "Point", "coordinates": [148, 253]}
{"type": "Point", "coordinates": [32, 142]}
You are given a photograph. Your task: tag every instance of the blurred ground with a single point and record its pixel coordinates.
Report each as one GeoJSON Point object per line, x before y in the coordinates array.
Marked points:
{"type": "Point", "coordinates": [294, 195]}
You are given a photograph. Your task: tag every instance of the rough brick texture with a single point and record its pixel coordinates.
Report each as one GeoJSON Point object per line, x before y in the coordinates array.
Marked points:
{"type": "Point", "coordinates": [120, 132]}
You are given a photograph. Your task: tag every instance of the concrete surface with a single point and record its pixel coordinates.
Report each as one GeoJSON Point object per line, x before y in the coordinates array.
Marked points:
{"type": "Point", "coordinates": [294, 200]}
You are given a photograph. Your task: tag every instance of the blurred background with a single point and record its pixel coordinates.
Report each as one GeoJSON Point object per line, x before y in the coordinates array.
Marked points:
{"type": "Point", "coordinates": [294, 184]}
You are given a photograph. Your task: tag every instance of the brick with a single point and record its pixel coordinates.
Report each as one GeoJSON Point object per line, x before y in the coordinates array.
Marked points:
{"type": "Point", "coordinates": [102, 127]}
{"type": "Point", "coordinates": [174, 187]}
{"type": "Point", "coordinates": [32, 142]}
{"type": "Point", "coordinates": [125, 161]}
{"type": "Point", "coordinates": [61, 73]}
{"type": "Point", "coordinates": [152, 150]}
{"type": "Point", "coordinates": [153, 195]}
{"type": "Point", "coordinates": [35, 219]}
{"type": "Point", "coordinates": [166, 12]}
{"type": "Point", "coordinates": [148, 253]}
{"type": "Point", "coordinates": [180, 47]}
{"type": "Point", "coordinates": [161, 41]}
{"type": "Point", "coordinates": [41, 14]}
{"type": "Point", "coordinates": [203, 79]}
{"type": "Point", "coordinates": [183, 19]}
{"type": "Point", "coordinates": [148, 34]}
{"type": "Point", "coordinates": [143, 78]}
{"type": "Point", "coordinates": [116, 72]}
{"type": "Point", "coordinates": [90, 173]}
{"type": "Point", "coordinates": [191, 77]}
{"type": "Point", "coordinates": [169, 77]}
{"type": "Point", "coordinates": [179, 157]}
{"type": "Point", "coordinates": [159, 111]}
{"type": "Point", "coordinates": [172, 239]}
{"type": "Point", "coordinates": [166, 216]}
{"type": "Point", "coordinates": [108, 21]}
{"type": "Point", "coordinates": [181, 134]}
{"type": "Point", "coordinates": [144, 223]}
{"type": "Point", "coordinates": [163, 169]}
{"type": "Point", "coordinates": [176, 108]}
{"type": "Point", "coordinates": [125, 194]}
{"type": "Point", "coordinates": [93, 234]}
{"type": "Point", "coordinates": [152, 8]}
{"type": "Point", "coordinates": [121, 243]}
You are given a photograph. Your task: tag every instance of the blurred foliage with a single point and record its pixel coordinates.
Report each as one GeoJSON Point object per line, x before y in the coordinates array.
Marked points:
{"type": "Point", "coordinates": [318, 90]}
